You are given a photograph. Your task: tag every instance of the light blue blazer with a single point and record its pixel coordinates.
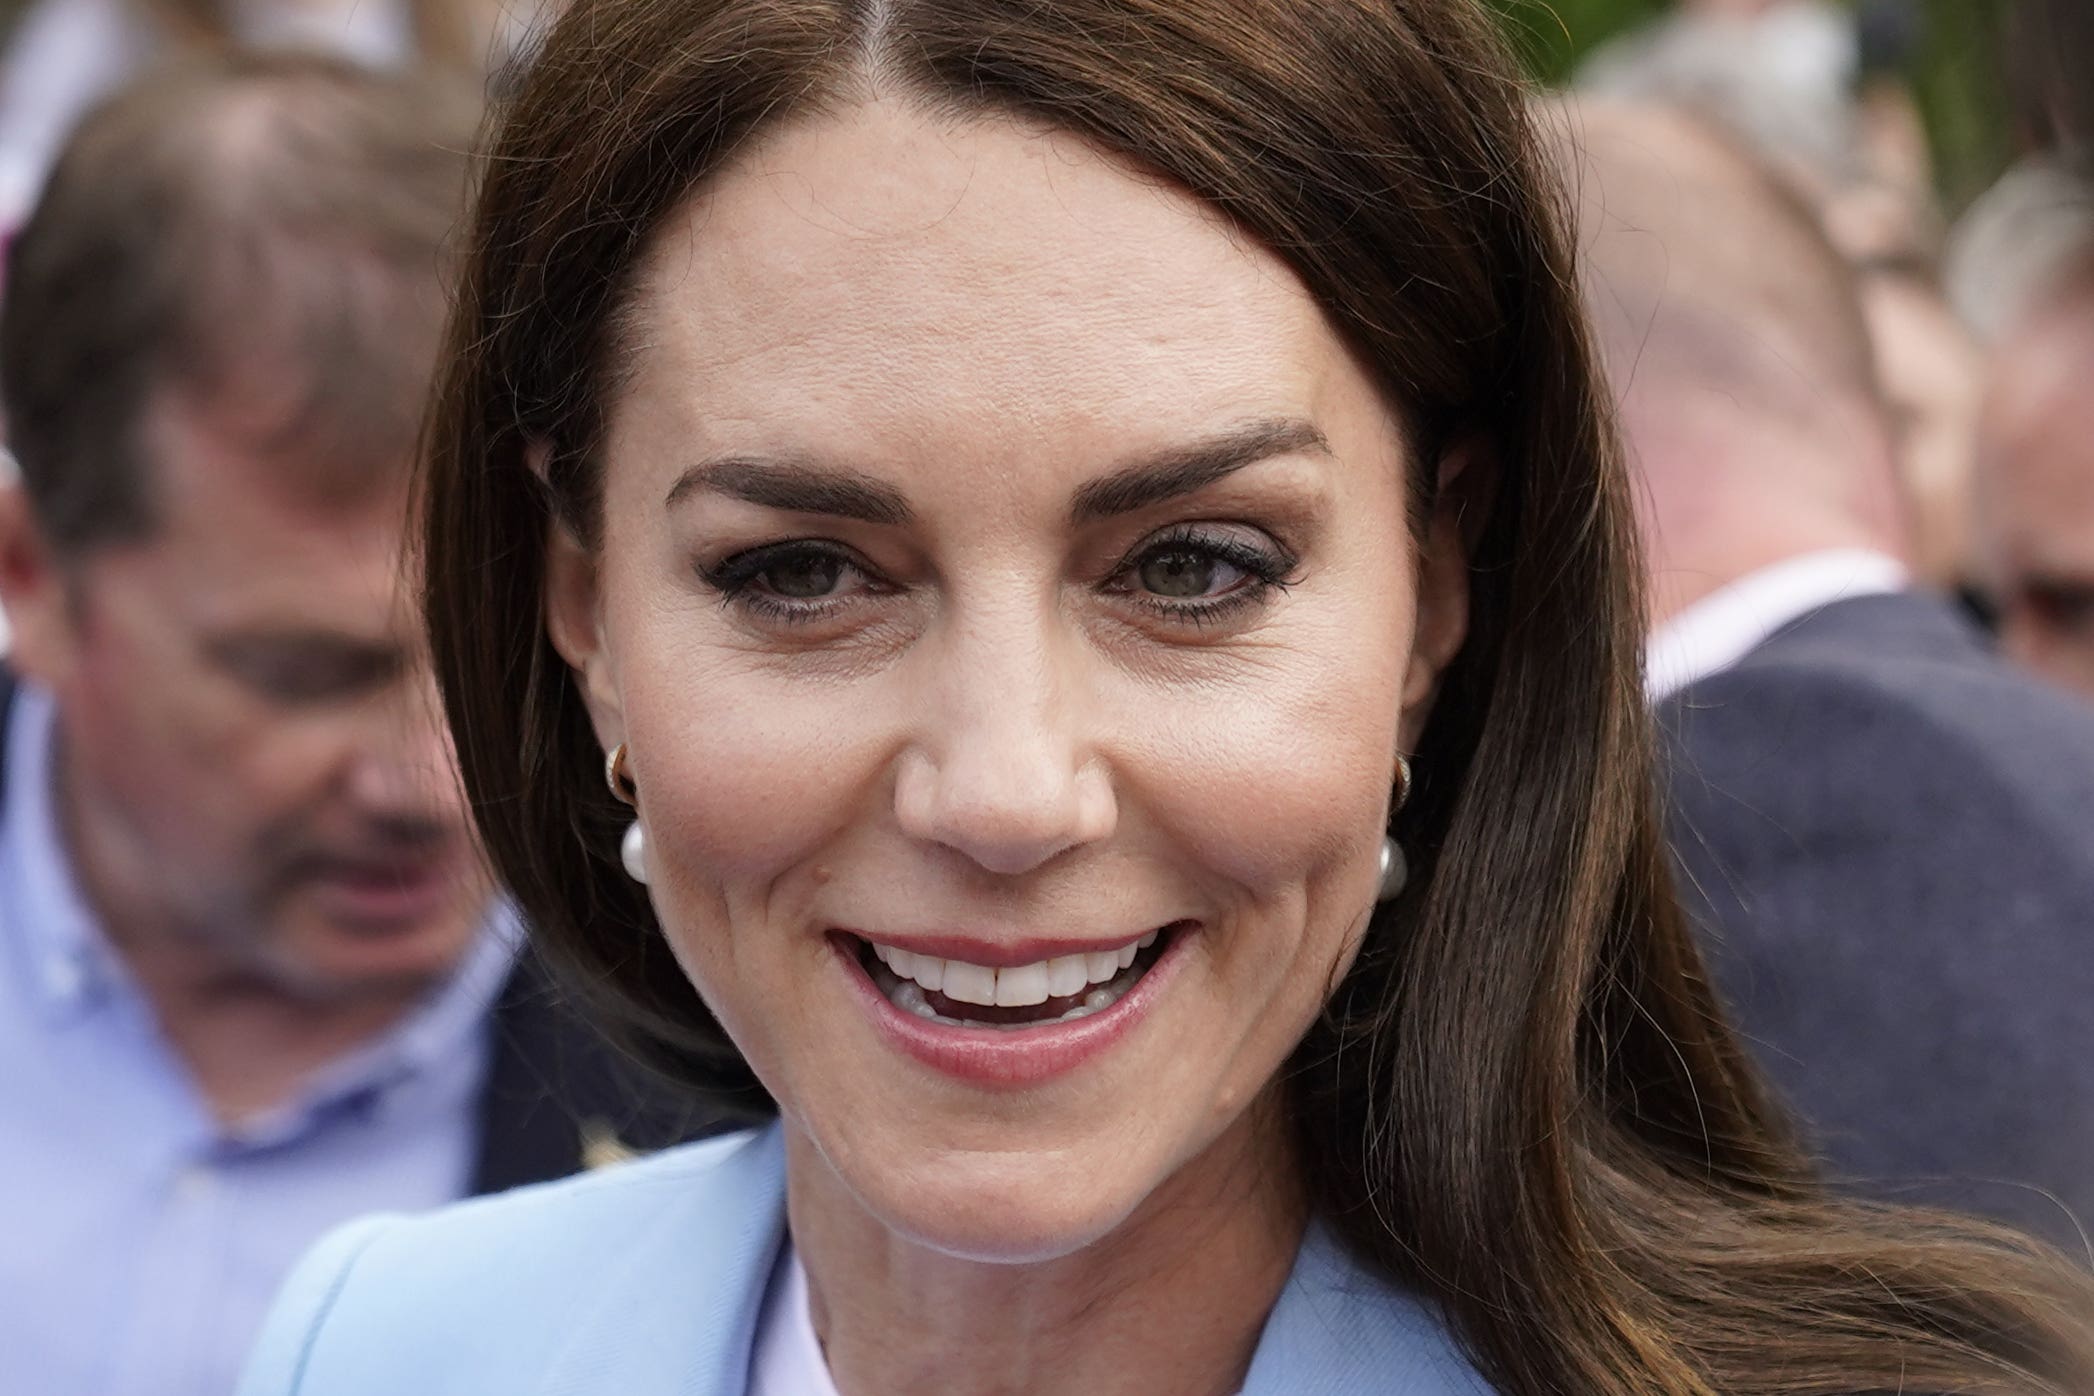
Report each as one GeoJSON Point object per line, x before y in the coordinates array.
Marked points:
{"type": "Point", "coordinates": [647, 1279]}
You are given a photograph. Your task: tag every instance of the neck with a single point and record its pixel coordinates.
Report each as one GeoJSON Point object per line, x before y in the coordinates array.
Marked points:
{"type": "Point", "coordinates": [1722, 495]}
{"type": "Point", "coordinates": [1172, 1300]}
{"type": "Point", "coordinates": [248, 1038]}
{"type": "Point", "coordinates": [1682, 576]}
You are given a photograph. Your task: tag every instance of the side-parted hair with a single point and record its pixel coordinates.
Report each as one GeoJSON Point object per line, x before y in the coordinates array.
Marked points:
{"type": "Point", "coordinates": [1522, 1100]}
{"type": "Point", "coordinates": [277, 226]}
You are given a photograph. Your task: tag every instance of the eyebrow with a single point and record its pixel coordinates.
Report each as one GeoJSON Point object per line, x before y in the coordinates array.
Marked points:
{"type": "Point", "coordinates": [799, 487]}
{"type": "Point", "coordinates": [1182, 470]}
{"type": "Point", "coordinates": [796, 487]}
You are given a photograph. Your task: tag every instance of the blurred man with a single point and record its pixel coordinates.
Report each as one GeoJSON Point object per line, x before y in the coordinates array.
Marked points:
{"type": "Point", "coordinates": [1881, 827]}
{"type": "Point", "coordinates": [1931, 374]}
{"type": "Point", "coordinates": [252, 975]}
{"type": "Point", "coordinates": [2036, 486]}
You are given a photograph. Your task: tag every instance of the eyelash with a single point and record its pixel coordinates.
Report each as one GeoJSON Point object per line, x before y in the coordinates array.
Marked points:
{"type": "Point", "coordinates": [734, 578]}
{"type": "Point", "coordinates": [1265, 572]}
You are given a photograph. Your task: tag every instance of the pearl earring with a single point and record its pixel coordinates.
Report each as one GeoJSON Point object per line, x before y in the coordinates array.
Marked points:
{"type": "Point", "coordinates": [632, 849]}
{"type": "Point", "coordinates": [1395, 868]}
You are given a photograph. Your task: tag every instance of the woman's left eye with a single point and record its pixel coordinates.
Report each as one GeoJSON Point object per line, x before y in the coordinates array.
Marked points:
{"type": "Point", "coordinates": [1187, 574]}
{"type": "Point", "coordinates": [1198, 575]}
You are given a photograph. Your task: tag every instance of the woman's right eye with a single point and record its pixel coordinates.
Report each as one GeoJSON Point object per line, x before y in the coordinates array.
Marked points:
{"type": "Point", "coordinates": [805, 577]}
{"type": "Point", "coordinates": [794, 581]}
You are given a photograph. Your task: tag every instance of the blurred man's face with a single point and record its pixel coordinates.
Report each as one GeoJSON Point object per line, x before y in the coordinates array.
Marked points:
{"type": "Point", "coordinates": [2036, 498]}
{"type": "Point", "coordinates": [250, 743]}
{"type": "Point", "coordinates": [1932, 375]}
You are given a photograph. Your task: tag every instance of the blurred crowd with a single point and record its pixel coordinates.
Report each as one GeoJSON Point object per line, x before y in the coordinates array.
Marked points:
{"type": "Point", "coordinates": [243, 934]}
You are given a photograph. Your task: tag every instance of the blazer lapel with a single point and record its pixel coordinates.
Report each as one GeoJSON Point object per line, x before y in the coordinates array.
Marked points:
{"type": "Point", "coordinates": [1338, 1331]}
{"type": "Point", "coordinates": [679, 1319]}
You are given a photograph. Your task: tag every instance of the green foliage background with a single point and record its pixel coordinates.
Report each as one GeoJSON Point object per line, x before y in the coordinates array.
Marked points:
{"type": "Point", "coordinates": [1958, 75]}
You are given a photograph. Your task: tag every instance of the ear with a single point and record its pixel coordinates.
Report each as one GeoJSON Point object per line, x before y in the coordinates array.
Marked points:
{"type": "Point", "coordinates": [39, 595]}
{"type": "Point", "coordinates": [1466, 489]}
{"type": "Point", "coordinates": [574, 612]}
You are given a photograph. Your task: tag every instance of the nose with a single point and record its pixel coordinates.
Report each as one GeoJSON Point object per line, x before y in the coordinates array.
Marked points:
{"type": "Point", "coordinates": [405, 768]}
{"type": "Point", "coordinates": [1002, 770]}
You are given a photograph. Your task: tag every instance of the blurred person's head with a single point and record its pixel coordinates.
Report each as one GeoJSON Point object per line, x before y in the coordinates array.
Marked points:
{"type": "Point", "coordinates": [463, 35]}
{"type": "Point", "coordinates": [217, 335]}
{"type": "Point", "coordinates": [1738, 352]}
{"type": "Point", "coordinates": [2036, 485]}
{"type": "Point", "coordinates": [1931, 372]}
{"type": "Point", "coordinates": [2009, 251]}
{"type": "Point", "coordinates": [1777, 74]}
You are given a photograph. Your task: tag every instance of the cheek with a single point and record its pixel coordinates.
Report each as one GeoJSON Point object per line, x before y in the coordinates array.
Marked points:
{"type": "Point", "coordinates": [741, 772]}
{"type": "Point", "coordinates": [1280, 773]}
{"type": "Point", "coordinates": [188, 757]}
{"type": "Point", "coordinates": [141, 728]}
{"type": "Point", "coordinates": [744, 777]}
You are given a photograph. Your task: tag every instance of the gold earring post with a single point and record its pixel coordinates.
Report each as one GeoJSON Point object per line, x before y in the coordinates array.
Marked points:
{"type": "Point", "coordinates": [618, 778]}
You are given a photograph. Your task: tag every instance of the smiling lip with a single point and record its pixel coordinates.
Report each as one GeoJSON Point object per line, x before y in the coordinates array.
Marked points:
{"type": "Point", "coordinates": [1005, 1059]}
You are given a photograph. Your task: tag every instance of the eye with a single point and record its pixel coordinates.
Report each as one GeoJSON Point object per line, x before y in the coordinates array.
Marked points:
{"type": "Point", "coordinates": [303, 671]}
{"type": "Point", "coordinates": [1184, 574]}
{"type": "Point", "coordinates": [1200, 573]}
{"type": "Point", "coordinates": [804, 576]}
{"type": "Point", "coordinates": [796, 580]}
{"type": "Point", "coordinates": [2061, 605]}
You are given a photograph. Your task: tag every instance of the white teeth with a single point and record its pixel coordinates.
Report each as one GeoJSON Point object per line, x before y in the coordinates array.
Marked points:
{"type": "Point", "coordinates": [1067, 975]}
{"type": "Point", "coordinates": [1021, 986]}
{"type": "Point", "coordinates": [908, 997]}
{"type": "Point", "coordinates": [965, 983]}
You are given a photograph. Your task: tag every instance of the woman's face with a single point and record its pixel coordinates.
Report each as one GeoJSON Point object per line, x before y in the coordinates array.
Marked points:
{"type": "Point", "coordinates": [1004, 573]}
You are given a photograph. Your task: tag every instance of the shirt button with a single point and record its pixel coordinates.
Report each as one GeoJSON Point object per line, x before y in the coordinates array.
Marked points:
{"type": "Point", "coordinates": [194, 1184]}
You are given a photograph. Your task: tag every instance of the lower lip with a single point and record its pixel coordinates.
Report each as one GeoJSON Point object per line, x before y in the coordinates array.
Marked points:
{"type": "Point", "coordinates": [386, 903]}
{"type": "Point", "coordinates": [1010, 1058]}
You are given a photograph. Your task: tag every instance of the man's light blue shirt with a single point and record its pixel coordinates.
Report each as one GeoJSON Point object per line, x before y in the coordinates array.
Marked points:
{"type": "Point", "coordinates": [141, 1238]}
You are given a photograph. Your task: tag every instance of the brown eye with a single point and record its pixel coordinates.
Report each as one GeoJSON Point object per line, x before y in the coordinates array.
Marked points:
{"type": "Point", "coordinates": [1186, 574]}
{"type": "Point", "coordinates": [806, 576]}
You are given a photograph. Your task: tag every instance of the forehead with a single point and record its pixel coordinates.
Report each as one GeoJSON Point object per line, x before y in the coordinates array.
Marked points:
{"type": "Point", "coordinates": [993, 284]}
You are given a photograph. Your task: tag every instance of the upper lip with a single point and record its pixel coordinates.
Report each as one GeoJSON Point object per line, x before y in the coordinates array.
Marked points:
{"type": "Point", "coordinates": [1002, 953]}
{"type": "Point", "coordinates": [411, 868]}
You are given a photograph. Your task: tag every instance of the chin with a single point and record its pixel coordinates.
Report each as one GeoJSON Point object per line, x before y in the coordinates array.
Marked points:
{"type": "Point", "coordinates": [1010, 1211]}
{"type": "Point", "coordinates": [1000, 1195]}
{"type": "Point", "coordinates": [338, 961]}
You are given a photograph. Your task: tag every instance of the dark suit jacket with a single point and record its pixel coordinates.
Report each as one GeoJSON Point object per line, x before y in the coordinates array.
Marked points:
{"type": "Point", "coordinates": [1888, 837]}
{"type": "Point", "coordinates": [557, 1097]}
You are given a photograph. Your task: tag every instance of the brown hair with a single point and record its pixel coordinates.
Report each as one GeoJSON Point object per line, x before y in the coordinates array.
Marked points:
{"type": "Point", "coordinates": [249, 221]}
{"type": "Point", "coordinates": [1522, 1099]}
